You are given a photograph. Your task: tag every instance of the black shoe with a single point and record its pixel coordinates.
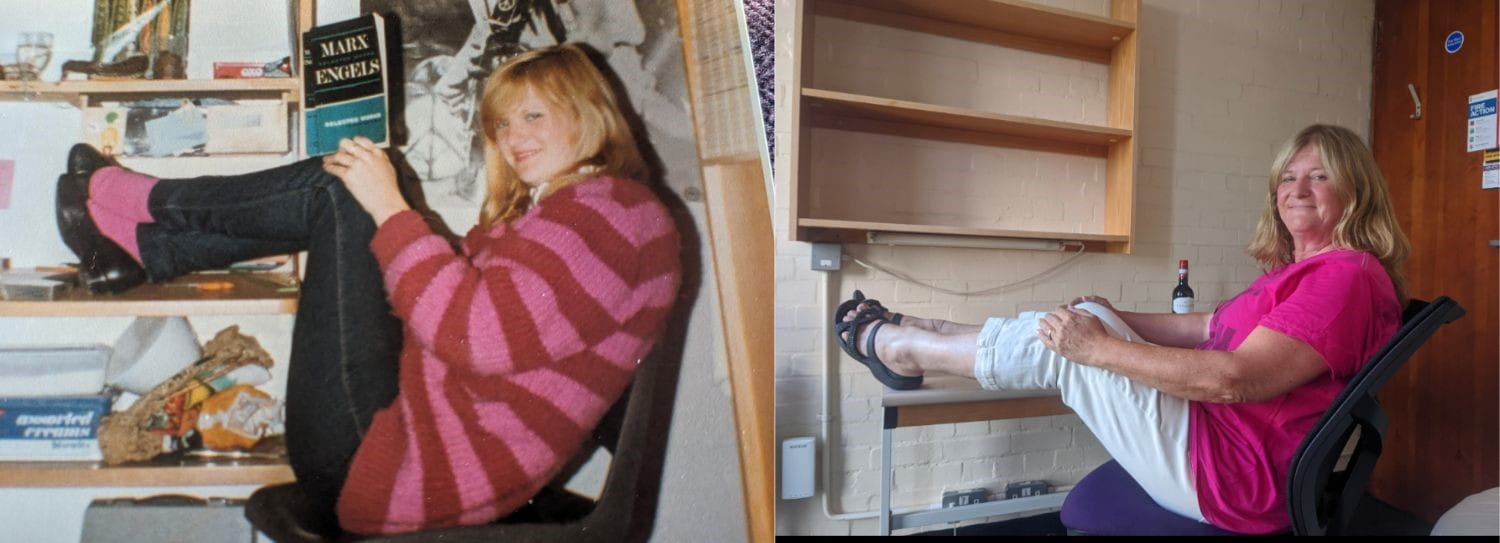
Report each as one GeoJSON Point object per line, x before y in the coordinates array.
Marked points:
{"type": "Point", "coordinates": [112, 273]}
{"type": "Point", "coordinates": [73, 221]}
{"type": "Point", "coordinates": [102, 264]}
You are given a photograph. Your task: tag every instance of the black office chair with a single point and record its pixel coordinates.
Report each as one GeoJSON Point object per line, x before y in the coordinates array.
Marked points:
{"type": "Point", "coordinates": [633, 431]}
{"type": "Point", "coordinates": [1322, 501]}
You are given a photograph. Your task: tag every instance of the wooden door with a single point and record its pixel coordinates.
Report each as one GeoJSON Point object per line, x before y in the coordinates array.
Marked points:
{"type": "Point", "coordinates": [1442, 442]}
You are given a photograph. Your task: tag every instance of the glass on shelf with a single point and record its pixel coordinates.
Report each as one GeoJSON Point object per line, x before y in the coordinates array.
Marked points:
{"type": "Point", "coordinates": [33, 53]}
{"type": "Point", "coordinates": [35, 50]}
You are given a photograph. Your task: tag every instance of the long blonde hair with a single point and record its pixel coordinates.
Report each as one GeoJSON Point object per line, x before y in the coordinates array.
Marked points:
{"type": "Point", "coordinates": [1368, 222]}
{"type": "Point", "coordinates": [564, 77]}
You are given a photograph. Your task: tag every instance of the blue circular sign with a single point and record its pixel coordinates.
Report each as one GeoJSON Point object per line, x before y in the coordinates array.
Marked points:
{"type": "Point", "coordinates": [1454, 42]}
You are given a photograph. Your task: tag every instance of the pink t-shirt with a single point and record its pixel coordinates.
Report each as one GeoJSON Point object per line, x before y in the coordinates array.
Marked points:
{"type": "Point", "coordinates": [1342, 304]}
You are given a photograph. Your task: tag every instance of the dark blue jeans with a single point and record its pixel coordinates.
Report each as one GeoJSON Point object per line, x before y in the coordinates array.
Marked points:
{"type": "Point", "coordinates": [345, 343]}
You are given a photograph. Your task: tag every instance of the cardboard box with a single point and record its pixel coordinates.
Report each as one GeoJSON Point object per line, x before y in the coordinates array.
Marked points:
{"type": "Point", "coordinates": [51, 428]}
{"type": "Point", "coordinates": [248, 127]}
{"type": "Point", "coordinates": [239, 70]}
{"type": "Point", "coordinates": [52, 371]}
{"type": "Point", "coordinates": [252, 70]}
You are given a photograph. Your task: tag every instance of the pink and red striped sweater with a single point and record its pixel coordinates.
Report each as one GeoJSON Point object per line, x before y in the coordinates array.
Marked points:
{"type": "Point", "coordinates": [513, 351]}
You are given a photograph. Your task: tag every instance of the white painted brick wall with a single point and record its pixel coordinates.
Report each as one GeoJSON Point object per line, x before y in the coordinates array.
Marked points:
{"type": "Point", "coordinates": [1222, 84]}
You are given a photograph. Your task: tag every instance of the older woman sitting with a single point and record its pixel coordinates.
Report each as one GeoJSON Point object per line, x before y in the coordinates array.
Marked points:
{"type": "Point", "coordinates": [1203, 410]}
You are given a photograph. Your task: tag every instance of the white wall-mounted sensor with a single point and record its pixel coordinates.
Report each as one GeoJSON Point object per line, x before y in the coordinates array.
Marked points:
{"type": "Point", "coordinates": [797, 465]}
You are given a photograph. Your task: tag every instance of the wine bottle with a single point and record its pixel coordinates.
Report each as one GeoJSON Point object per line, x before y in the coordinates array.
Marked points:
{"type": "Point", "coordinates": [1182, 296]}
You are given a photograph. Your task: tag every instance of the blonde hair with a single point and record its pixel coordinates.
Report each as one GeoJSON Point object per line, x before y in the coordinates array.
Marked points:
{"type": "Point", "coordinates": [1368, 222]}
{"type": "Point", "coordinates": [565, 78]}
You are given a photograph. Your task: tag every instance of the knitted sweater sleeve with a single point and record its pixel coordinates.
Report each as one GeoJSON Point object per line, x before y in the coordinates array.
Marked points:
{"type": "Point", "coordinates": [544, 287]}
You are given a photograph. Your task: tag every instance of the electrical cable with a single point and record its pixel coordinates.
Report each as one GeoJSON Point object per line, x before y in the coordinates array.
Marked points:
{"type": "Point", "coordinates": [992, 290]}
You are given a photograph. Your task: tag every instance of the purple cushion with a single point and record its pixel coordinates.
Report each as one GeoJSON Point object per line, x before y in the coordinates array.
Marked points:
{"type": "Point", "coordinates": [1109, 502]}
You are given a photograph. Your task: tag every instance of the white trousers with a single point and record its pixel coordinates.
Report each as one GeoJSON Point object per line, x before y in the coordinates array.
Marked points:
{"type": "Point", "coordinates": [1144, 429]}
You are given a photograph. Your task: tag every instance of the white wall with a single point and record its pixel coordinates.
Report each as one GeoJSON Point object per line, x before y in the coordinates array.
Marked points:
{"type": "Point", "coordinates": [1222, 83]}
{"type": "Point", "coordinates": [700, 491]}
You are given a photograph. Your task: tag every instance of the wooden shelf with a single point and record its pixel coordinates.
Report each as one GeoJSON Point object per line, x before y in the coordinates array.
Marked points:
{"type": "Point", "coordinates": [845, 111]}
{"type": "Point", "coordinates": [284, 88]}
{"type": "Point", "coordinates": [836, 229]}
{"type": "Point", "coordinates": [1010, 23]}
{"type": "Point", "coordinates": [1110, 40]}
{"type": "Point", "coordinates": [253, 294]}
{"type": "Point", "coordinates": [187, 473]}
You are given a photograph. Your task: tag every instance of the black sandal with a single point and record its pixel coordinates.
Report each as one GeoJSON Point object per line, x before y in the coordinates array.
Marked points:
{"type": "Point", "coordinates": [873, 313]}
{"type": "Point", "coordinates": [870, 303]}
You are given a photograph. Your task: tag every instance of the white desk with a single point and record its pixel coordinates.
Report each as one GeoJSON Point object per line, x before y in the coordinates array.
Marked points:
{"type": "Point", "coordinates": [947, 399]}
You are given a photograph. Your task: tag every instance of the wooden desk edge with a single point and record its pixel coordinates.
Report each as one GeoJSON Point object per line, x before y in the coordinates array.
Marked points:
{"type": "Point", "coordinates": [905, 416]}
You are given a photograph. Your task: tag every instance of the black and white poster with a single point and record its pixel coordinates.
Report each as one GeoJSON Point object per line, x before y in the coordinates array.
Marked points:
{"type": "Point", "coordinates": [449, 47]}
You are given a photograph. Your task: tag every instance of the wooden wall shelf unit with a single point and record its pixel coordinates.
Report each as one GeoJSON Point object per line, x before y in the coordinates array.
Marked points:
{"type": "Point", "coordinates": [252, 293]}
{"type": "Point", "coordinates": [1009, 23]}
